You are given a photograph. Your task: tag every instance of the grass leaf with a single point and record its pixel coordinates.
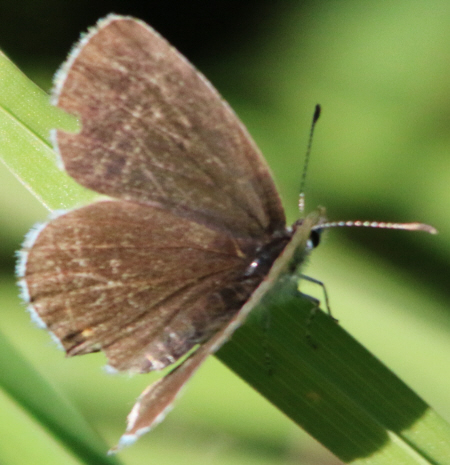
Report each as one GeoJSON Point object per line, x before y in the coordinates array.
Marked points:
{"type": "Point", "coordinates": [26, 119]}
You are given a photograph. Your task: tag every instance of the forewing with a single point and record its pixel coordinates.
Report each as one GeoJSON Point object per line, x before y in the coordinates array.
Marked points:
{"type": "Point", "coordinates": [134, 281]}
{"type": "Point", "coordinates": [156, 131]}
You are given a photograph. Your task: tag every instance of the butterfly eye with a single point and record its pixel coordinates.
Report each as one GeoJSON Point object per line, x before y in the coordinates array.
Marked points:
{"type": "Point", "coordinates": [314, 238]}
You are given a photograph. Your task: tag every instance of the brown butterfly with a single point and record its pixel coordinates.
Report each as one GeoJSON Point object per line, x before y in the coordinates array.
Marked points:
{"type": "Point", "coordinates": [179, 253]}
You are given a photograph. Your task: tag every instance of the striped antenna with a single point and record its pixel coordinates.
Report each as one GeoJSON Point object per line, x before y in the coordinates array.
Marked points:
{"type": "Point", "coordinates": [301, 200]}
{"type": "Point", "coordinates": [350, 224]}
{"type": "Point", "coordinates": [377, 225]}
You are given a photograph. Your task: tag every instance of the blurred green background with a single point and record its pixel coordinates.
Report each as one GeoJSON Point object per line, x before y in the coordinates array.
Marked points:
{"type": "Point", "coordinates": [381, 71]}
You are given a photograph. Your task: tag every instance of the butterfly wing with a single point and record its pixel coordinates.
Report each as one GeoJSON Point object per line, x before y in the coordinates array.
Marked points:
{"type": "Point", "coordinates": [152, 405]}
{"type": "Point", "coordinates": [156, 131]}
{"type": "Point", "coordinates": [134, 281]}
{"type": "Point", "coordinates": [154, 402]}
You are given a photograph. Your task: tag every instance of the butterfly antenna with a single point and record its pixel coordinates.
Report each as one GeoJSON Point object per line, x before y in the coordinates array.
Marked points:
{"type": "Point", "coordinates": [378, 225]}
{"type": "Point", "coordinates": [301, 200]}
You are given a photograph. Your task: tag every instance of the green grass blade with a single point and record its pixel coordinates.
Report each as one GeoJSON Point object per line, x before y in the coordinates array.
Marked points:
{"type": "Point", "coordinates": [26, 118]}
{"type": "Point", "coordinates": [48, 408]}
{"type": "Point", "coordinates": [337, 391]}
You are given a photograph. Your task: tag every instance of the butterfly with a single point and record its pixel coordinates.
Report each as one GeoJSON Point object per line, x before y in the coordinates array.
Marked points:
{"type": "Point", "coordinates": [191, 231]}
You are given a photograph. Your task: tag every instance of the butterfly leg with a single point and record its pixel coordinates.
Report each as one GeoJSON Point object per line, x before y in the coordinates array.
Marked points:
{"type": "Point", "coordinates": [316, 306]}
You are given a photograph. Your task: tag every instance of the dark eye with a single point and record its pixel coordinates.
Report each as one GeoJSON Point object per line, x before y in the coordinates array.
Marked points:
{"type": "Point", "coordinates": [314, 237]}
